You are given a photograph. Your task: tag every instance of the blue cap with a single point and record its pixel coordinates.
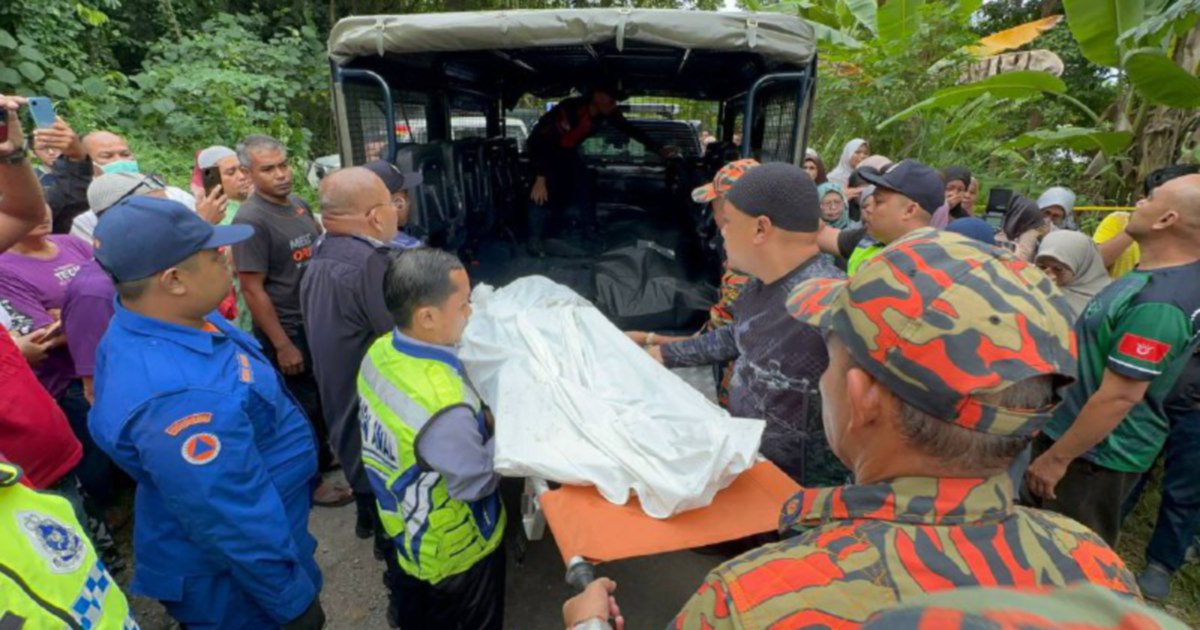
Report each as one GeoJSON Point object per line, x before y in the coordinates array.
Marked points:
{"type": "Point", "coordinates": [142, 236]}
{"type": "Point", "coordinates": [972, 227]}
{"type": "Point", "coordinates": [914, 180]}
{"type": "Point", "coordinates": [394, 178]}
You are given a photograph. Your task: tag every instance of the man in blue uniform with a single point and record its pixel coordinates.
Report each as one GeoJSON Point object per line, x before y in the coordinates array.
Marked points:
{"type": "Point", "coordinates": [192, 409]}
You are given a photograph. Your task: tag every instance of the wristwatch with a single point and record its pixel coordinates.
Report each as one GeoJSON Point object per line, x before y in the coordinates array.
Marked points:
{"type": "Point", "coordinates": [14, 158]}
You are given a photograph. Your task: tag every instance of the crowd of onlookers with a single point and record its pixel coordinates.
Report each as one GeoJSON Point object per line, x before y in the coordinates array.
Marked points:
{"type": "Point", "coordinates": [925, 366]}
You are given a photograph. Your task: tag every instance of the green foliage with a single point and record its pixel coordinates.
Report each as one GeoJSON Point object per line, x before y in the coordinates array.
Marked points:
{"type": "Point", "coordinates": [1176, 20]}
{"type": "Point", "coordinates": [42, 46]}
{"type": "Point", "coordinates": [225, 81]}
{"type": "Point", "coordinates": [899, 19]}
{"type": "Point", "coordinates": [1010, 85]}
{"type": "Point", "coordinates": [1087, 82]}
{"type": "Point", "coordinates": [903, 96]}
{"type": "Point", "coordinates": [1161, 80]}
{"type": "Point", "coordinates": [1074, 138]}
{"type": "Point", "coordinates": [1098, 24]}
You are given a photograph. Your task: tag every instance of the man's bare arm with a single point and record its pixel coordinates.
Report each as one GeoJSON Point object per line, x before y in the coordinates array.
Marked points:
{"type": "Point", "coordinates": [22, 206]}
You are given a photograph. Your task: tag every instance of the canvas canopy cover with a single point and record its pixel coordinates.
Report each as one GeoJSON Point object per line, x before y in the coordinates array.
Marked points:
{"type": "Point", "coordinates": [782, 38]}
{"type": "Point", "coordinates": [709, 54]}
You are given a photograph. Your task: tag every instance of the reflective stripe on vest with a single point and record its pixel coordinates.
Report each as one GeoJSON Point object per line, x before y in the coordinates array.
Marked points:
{"type": "Point", "coordinates": [435, 535]}
{"type": "Point", "coordinates": [49, 573]}
{"type": "Point", "coordinates": [862, 254]}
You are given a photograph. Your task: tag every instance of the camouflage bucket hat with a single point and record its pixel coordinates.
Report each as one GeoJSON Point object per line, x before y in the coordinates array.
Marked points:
{"type": "Point", "coordinates": [723, 181]}
{"type": "Point", "coordinates": [940, 319]}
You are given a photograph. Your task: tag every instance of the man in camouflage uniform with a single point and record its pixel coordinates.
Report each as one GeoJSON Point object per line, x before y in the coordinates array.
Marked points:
{"type": "Point", "coordinates": [1080, 607]}
{"type": "Point", "coordinates": [944, 358]}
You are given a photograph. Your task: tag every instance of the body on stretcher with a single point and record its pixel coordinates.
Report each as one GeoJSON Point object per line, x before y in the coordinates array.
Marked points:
{"type": "Point", "coordinates": [589, 530]}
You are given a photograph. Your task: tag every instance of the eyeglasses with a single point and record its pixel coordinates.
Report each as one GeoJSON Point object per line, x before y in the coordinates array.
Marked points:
{"type": "Point", "coordinates": [832, 204]}
{"type": "Point", "coordinates": [151, 182]}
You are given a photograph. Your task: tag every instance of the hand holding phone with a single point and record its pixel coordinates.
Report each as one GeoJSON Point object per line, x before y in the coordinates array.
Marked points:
{"type": "Point", "coordinates": [42, 111]}
{"type": "Point", "coordinates": [11, 137]}
{"type": "Point", "coordinates": [48, 332]}
{"type": "Point", "coordinates": [211, 178]}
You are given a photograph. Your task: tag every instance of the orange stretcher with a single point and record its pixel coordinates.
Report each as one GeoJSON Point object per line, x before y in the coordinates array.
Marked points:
{"type": "Point", "coordinates": [589, 530]}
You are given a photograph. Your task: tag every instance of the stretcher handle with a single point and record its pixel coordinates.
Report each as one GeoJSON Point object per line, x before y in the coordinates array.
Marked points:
{"type": "Point", "coordinates": [580, 573]}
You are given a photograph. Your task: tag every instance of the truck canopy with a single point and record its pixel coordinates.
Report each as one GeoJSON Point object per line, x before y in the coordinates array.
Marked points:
{"type": "Point", "coordinates": [692, 54]}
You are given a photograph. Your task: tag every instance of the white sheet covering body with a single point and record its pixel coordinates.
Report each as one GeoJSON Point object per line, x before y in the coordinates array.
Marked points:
{"type": "Point", "coordinates": [576, 402]}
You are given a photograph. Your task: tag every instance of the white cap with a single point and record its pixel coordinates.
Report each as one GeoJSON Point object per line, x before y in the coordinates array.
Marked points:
{"type": "Point", "coordinates": [210, 156]}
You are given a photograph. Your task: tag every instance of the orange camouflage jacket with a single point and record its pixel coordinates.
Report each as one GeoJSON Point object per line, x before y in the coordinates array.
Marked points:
{"type": "Point", "coordinates": [856, 550]}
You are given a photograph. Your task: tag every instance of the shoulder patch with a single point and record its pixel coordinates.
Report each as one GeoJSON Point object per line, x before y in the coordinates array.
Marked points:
{"type": "Point", "coordinates": [247, 374]}
{"type": "Point", "coordinates": [1143, 348]}
{"type": "Point", "coordinates": [200, 449]}
{"type": "Point", "coordinates": [179, 425]}
{"type": "Point", "coordinates": [57, 542]}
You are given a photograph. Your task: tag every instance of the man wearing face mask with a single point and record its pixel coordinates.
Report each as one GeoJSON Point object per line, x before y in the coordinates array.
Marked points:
{"type": "Point", "coordinates": [110, 153]}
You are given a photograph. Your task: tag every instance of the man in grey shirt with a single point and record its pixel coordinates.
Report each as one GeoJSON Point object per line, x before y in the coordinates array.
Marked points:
{"type": "Point", "coordinates": [270, 266]}
{"type": "Point", "coordinates": [341, 295]}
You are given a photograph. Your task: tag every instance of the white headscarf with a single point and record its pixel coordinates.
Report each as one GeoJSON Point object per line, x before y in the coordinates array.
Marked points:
{"type": "Point", "coordinates": [1064, 197]}
{"type": "Point", "coordinates": [1077, 251]}
{"type": "Point", "coordinates": [841, 174]}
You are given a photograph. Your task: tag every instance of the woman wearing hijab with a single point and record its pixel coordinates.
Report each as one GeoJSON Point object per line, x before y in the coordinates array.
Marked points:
{"type": "Point", "coordinates": [1023, 225]}
{"type": "Point", "coordinates": [1058, 204]}
{"type": "Point", "coordinates": [815, 167]}
{"type": "Point", "coordinates": [834, 210]}
{"type": "Point", "coordinates": [1073, 262]}
{"type": "Point", "coordinates": [957, 179]}
{"type": "Point", "coordinates": [855, 152]}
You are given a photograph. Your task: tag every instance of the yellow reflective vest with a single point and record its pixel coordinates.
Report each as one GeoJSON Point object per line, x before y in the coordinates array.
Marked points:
{"type": "Point", "coordinates": [50, 576]}
{"type": "Point", "coordinates": [401, 388]}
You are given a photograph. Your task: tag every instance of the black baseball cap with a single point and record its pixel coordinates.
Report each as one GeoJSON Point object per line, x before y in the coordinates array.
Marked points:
{"type": "Point", "coordinates": [394, 178]}
{"type": "Point", "coordinates": [914, 180]}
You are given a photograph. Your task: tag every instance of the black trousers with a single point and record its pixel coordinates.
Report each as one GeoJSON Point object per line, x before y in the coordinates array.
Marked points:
{"type": "Point", "coordinates": [1088, 493]}
{"type": "Point", "coordinates": [571, 196]}
{"type": "Point", "coordinates": [303, 387]}
{"type": "Point", "coordinates": [471, 600]}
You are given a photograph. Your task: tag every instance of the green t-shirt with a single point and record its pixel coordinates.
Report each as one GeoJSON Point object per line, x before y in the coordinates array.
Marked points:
{"type": "Point", "coordinates": [1142, 326]}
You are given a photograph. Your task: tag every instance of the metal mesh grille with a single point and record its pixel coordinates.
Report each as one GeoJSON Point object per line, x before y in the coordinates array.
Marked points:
{"type": "Point", "coordinates": [779, 123]}
{"type": "Point", "coordinates": [366, 119]}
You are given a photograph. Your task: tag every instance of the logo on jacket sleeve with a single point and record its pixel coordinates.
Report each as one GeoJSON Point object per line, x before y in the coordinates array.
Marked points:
{"type": "Point", "coordinates": [1143, 348]}
{"type": "Point", "coordinates": [57, 542]}
{"type": "Point", "coordinates": [201, 448]}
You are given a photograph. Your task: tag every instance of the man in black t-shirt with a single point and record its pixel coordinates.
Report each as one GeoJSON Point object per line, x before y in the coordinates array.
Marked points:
{"type": "Point", "coordinates": [270, 265]}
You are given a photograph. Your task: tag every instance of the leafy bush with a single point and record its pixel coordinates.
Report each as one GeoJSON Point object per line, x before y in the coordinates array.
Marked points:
{"type": "Point", "coordinates": [224, 82]}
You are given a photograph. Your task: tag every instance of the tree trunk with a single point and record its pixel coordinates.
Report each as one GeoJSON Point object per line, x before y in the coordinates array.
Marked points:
{"type": "Point", "coordinates": [1165, 130]}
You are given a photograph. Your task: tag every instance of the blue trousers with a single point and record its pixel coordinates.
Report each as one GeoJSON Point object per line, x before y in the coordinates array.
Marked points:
{"type": "Point", "coordinates": [1179, 513]}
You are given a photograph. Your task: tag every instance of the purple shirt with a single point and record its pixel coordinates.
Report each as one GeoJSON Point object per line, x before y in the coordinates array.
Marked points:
{"type": "Point", "coordinates": [30, 288]}
{"type": "Point", "coordinates": [85, 316]}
